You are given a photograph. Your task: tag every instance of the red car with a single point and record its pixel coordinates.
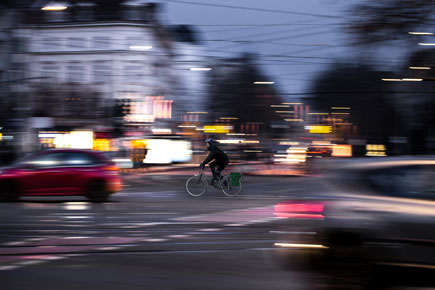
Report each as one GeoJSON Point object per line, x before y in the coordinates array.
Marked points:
{"type": "Point", "coordinates": [61, 172]}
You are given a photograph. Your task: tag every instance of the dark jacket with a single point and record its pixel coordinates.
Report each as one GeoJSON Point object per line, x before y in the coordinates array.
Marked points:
{"type": "Point", "coordinates": [216, 153]}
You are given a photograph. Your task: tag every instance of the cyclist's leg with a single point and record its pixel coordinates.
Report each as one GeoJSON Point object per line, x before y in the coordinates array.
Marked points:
{"type": "Point", "coordinates": [213, 170]}
{"type": "Point", "coordinates": [221, 167]}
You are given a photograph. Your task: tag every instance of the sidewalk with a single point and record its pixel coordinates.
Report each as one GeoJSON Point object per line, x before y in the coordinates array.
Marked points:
{"type": "Point", "coordinates": [254, 168]}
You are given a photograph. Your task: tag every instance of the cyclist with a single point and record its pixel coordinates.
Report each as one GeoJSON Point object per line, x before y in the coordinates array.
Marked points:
{"type": "Point", "coordinates": [220, 159]}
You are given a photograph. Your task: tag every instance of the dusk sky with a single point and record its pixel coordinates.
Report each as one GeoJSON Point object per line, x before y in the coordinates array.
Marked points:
{"type": "Point", "coordinates": [294, 39]}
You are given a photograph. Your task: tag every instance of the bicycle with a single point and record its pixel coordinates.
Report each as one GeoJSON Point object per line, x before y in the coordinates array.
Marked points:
{"type": "Point", "coordinates": [230, 184]}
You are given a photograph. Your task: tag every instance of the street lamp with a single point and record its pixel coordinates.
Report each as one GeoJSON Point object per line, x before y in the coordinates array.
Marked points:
{"type": "Point", "coordinates": [55, 6]}
{"type": "Point", "coordinates": [264, 83]}
{"type": "Point", "coordinates": [200, 69]}
{"type": "Point", "coordinates": [420, 33]}
{"type": "Point", "coordinates": [141, 47]}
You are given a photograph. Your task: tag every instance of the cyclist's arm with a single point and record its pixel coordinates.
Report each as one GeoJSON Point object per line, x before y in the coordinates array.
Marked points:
{"type": "Point", "coordinates": [208, 159]}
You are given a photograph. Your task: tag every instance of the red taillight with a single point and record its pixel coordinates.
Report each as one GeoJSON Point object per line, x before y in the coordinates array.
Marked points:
{"type": "Point", "coordinates": [111, 168]}
{"type": "Point", "coordinates": [308, 210]}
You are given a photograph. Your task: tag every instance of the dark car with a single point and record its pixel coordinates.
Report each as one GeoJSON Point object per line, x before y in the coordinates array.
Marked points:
{"type": "Point", "coordinates": [375, 228]}
{"type": "Point", "coordinates": [61, 172]}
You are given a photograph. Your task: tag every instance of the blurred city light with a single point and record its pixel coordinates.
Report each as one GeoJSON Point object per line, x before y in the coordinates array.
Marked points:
{"type": "Point", "coordinates": [200, 68]}
{"type": "Point", "coordinates": [218, 129]}
{"type": "Point", "coordinates": [290, 245]}
{"type": "Point", "coordinates": [54, 8]}
{"type": "Point", "coordinates": [392, 80]}
{"type": "Point", "coordinates": [341, 150]}
{"type": "Point", "coordinates": [319, 129]}
{"type": "Point", "coordinates": [421, 33]}
{"type": "Point", "coordinates": [293, 120]}
{"type": "Point", "coordinates": [264, 83]}
{"type": "Point", "coordinates": [122, 100]}
{"type": "Point", "coordinates": [141, 47]}
{"type": "Point", "coordinates": [76, 205]}
{"type": "Point", "coordinates": [376, 150]}
{"type": "Point", "coordinates": [411, 80]}
{"type": "Point", "coordinates": [429, 44]}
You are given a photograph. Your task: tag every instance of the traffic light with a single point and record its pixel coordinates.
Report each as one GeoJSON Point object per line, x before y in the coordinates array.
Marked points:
{"type": "Point", "coordinates": [126, 107]}
{"type": "Point", "coordinates": [122, 108]}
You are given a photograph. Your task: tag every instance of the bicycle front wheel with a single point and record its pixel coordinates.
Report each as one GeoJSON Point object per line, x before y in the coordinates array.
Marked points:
{"type": "Point", "coordinates": [196, 186]}
{"type": "Point", "coordinates": [228, 188]}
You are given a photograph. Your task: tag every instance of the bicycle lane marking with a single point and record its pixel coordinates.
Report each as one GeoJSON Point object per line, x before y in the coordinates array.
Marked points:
{"type": "Point", "coordinates": [238, 217]}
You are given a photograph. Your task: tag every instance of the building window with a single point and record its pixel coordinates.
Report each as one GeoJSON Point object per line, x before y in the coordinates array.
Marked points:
{"type": "Point", "coordinates": [133, 12]}
{"type": "Point", "coordinates": [56, 16]}
{"type": "Point", "coordinates": [134, 41]}
{"type": "Point", "coordinates": [133, 73]}
{"type": "Point", "coordinates": [19, 45]}
{"type": "Point", "coordinates": [17, 73]}
{"type": "Point", "coordinates": [85, 11]}
{"type": "Point", "coordinates": [50, 71]}
{"type": "Point", "coordinates": [52, 43]}
{"type": "Point", "coordinates": [102, 73]}
{"type": "Point", "coordinates": [76, 42]}
{"type": "Point", "coordinates": [76, 73]}
{"type": "Point", "coordinates": [101, 42]}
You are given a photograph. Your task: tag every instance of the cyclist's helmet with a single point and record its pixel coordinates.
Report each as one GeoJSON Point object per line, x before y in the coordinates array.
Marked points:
{"type": "Point", "coordinates": [210, 141]}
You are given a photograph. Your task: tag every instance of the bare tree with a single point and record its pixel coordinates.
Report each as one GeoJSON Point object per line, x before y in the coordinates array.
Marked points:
{"type": "Point", "coordinates": [380, 21]}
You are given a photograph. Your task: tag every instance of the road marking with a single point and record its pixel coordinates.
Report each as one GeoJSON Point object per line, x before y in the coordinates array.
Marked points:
{"type": "Point", "coordinates": [149, 213]}
{"type": "Point", "coordinates": [237, 217]}
{"type": "Point", "coordinates": [108, 248]}
{"type": "Point", "coordinates": [5, 268]}
{"type": "Point", "coordinates": [30, 262]}
{"type": "Point", "coordinates": [54, 258]}
{"type": "Point", "coordinates": [169, 223]}
{"type": "Point", "coordinates": [154, 240]}
{"type": "Point", "coordinates": [129, 227]}
{"type": "Point", "coordinates": [150, 193]}
{"type": "Point", "coordinates": [15, 243]}
{"type": "Point", "coordinates": [35, 239]}
{"type": "Point", "coordinates": [77, 217]}
{"type": "Point", "coordinates": [209, 230]}
{"type": "Point", "coordinates": [178, 236]}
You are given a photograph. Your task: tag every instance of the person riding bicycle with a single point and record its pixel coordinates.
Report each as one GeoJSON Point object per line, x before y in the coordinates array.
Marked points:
{"type": "Point", "coordinates": [220, 159]}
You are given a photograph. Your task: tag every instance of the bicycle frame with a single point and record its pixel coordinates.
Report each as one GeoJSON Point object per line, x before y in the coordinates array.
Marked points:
{"type": "Point", "coordinates": [208, 178]}
{"type": "Point", "coordinates": [221, 184]}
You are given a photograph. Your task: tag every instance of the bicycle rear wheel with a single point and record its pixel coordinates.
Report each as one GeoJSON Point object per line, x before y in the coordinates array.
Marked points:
{"type": "Point", "coordinates": [228, 188]}
{"type": "Point", "coordinates": [196, 186]}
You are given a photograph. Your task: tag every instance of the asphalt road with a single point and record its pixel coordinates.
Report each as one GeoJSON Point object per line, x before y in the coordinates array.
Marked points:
{"type": "Point", "coordinates": [152, 235]}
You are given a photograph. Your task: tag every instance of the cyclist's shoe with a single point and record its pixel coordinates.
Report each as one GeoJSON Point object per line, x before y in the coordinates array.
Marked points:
{"type": "Point", "coordinates": [215, 183]}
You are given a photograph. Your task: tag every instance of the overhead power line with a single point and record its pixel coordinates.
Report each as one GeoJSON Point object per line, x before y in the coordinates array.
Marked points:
{"type": "Point", "coordinates": [266, 24]}
{"type": "Point", "coordinates": [253, 9]}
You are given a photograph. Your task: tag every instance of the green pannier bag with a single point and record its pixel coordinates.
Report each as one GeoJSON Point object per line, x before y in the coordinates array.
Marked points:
{"type": "Point", "coordinates": [235, 179]}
